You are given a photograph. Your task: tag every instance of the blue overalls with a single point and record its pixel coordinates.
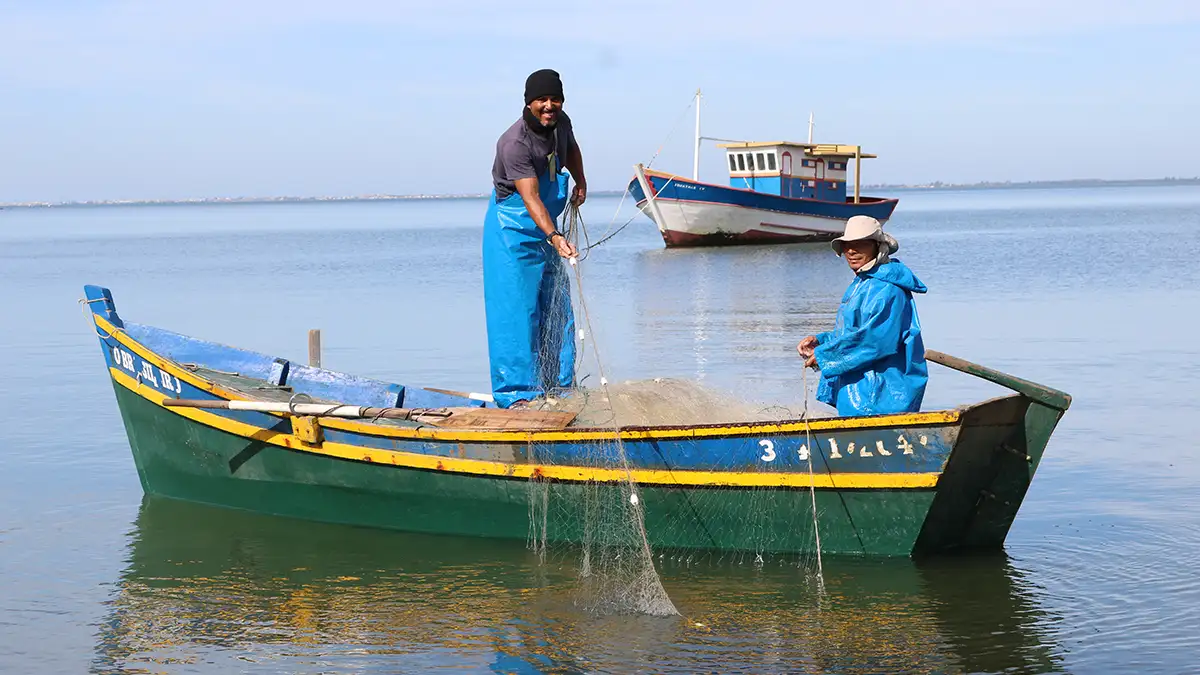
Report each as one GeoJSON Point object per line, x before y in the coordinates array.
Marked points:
{"type": "Point", "coordinates": [527, 298]}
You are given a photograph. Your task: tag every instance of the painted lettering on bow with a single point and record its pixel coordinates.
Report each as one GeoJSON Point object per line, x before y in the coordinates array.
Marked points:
{"type": "Point", "coordinates": [145, 372]}
{"type": "Point", "coordinates": [879, 448]}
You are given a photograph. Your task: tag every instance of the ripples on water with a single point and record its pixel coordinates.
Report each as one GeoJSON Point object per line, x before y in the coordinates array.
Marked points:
{"type": "Point", "coordinates": [1092, 291]}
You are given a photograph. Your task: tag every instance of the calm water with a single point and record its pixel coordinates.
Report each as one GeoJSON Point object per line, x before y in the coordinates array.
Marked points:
{"type": "Point", "coordinates": [1092, 291]}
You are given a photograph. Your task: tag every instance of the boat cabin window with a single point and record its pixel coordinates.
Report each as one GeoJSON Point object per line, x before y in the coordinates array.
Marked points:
{"type": "Point", "coordinates": [753, 161]}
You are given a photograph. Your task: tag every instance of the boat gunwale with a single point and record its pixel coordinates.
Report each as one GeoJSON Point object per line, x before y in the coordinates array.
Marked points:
{"type": "Point", "coordinates": [677, 178]}
{"type": "Point", "coordinates": [490, 469]}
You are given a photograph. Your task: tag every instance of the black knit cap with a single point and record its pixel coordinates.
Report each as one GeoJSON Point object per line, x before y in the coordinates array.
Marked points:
{"type": "Point", "coordinates": [541, 83]}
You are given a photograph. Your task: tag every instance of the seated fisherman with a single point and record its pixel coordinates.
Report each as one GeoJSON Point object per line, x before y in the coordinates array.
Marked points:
{"type": "Point", "coordinates": [873, 361]}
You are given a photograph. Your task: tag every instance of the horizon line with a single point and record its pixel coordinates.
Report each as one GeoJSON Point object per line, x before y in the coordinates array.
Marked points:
{"type": "Point", "coordinates": [933, 185]}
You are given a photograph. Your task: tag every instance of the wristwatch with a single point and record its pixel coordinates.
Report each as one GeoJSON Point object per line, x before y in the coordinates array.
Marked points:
{"type": "Point", "coordinates": [550, 239]}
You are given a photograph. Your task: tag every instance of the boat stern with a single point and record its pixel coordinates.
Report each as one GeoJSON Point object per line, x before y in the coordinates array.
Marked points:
{"type": "Point", "coordinates": [999, 447]}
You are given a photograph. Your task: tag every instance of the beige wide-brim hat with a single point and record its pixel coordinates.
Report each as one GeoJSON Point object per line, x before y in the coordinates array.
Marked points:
{"type": "Point", "coordinates": [866, 227]}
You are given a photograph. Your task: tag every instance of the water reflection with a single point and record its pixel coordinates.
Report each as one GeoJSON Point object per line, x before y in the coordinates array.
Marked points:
{"type": "Point", "coordinates": [220, 588]}
{"type": "Point", "coordinates": [969, 614]}
{"type": "Point", "coordinates": [740, 310]}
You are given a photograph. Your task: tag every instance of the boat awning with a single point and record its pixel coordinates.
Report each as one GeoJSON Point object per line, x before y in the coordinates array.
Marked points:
{"type": "Point", "coordinates": [835, 150]}
{"type": "Point", "coordinates": [761, 144]}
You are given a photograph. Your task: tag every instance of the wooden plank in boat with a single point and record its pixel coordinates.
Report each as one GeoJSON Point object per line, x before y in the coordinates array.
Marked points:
{"type": "Point", "coordinates": [498, 418]}
{"type": "Point", "coordinates": [460, 418]}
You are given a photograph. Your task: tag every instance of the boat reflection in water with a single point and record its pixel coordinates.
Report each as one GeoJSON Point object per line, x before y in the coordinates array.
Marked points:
{"type": "Point", "coordinates": [225, 589]}
{"type": "Point", "coordinates": [716, 315]}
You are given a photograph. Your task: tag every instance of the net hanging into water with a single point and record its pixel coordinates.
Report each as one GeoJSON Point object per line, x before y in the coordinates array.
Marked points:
{"type": "Point", "coordinates": [605, 519]}
{"type": "Point", "coordinates": [604, 524]}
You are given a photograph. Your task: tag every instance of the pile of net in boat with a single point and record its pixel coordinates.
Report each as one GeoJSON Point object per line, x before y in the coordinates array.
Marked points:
{"type": "Point", "coordinates": [667, 402]}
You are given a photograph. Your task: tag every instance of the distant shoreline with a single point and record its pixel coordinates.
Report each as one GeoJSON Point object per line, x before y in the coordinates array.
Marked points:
{"type": "Point", "coordinates": [1039, 184]}
{"type": "Point", "coordinates": [935, 186]}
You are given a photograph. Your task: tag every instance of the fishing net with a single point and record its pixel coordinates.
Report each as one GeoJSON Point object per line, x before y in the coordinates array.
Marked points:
{"type": "Point", "coordinates": [601, 525]}
{"type": "Point", "coordinates": [602, 519]}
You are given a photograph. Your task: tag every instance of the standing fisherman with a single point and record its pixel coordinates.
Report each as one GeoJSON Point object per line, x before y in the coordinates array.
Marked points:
{"type": "Point", "coordinates": [526, 291]}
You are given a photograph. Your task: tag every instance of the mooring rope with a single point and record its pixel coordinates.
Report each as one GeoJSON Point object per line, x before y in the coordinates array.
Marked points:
{"type": "Point", "coordinates": [83, 306]}
{"type": "Point", "coordinates": [670, 133]}
{"type": "Point", "coordinates": [610, 233]}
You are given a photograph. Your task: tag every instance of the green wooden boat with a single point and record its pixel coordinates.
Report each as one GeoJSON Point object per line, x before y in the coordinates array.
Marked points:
{"type": "Point", "coordinates": [220, 425]}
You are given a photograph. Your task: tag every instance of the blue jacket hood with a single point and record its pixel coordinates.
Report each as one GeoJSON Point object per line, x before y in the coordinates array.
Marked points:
{"type": "Point", "coordinates": [896, 273]}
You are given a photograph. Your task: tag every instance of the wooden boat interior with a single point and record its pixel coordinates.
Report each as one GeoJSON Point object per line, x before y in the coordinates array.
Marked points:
{"type": "Point", "coordinates": [268, 378]}
{"type": "Point", "coordinates": [261, 377]}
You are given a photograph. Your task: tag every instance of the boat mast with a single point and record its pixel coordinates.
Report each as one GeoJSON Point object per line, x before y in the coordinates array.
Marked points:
{"type": "Point", "coordinates": [857, 171]}
{"type": "Point", "coordinates": [810, 128]}
{"type": "Point", "coordinates": [696, 149]}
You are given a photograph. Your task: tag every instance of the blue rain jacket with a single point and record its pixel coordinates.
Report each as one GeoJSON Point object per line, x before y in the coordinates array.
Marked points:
{"type": "Point", "coordinates": [531, 337]}
{"type": "Point", "coordinates": [873, 361]}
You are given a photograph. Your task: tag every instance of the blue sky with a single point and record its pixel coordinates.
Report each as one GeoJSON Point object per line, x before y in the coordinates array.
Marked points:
{"type": "Point", "coordinates": [163, 100]}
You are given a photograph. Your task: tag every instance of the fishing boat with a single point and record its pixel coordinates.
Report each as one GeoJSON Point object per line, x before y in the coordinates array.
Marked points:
{"type": "Point", "coordinates": [230, 427]}
{"type": "Point", "coordinates": [778, 192]}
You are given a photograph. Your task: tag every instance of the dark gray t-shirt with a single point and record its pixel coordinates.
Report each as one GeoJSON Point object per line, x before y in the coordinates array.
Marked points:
{"type": "Point", "coordinates": [520, 153]}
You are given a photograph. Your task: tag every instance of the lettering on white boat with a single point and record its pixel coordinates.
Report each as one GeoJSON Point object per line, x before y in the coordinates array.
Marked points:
{"type": "Point", "coordinates": [768, 450]}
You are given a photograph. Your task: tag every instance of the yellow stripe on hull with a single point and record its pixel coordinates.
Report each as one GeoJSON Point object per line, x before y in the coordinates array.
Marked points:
{"type": "Point", "coordinates": [477, 467]}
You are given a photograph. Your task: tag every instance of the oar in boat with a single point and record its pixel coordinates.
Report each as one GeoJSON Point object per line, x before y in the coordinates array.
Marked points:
{"type": "Point", "coordinates": [472, 418]}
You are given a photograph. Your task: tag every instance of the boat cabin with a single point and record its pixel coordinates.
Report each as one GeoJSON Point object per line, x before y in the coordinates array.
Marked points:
{"type": "Point", "coordinates": [799, 170]}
